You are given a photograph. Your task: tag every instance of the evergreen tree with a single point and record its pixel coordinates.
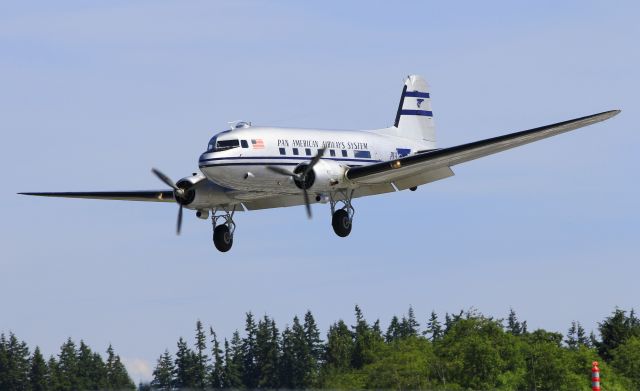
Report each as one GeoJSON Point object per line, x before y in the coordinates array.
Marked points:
{"type": "Point", "coordinates": [67, 367]}
{"type": "Point", "coordinates": [409, 325]}
{"type": "Point", "coordinates": [14, 363]}
{"type": "Point", "coordinates": [4, 361]}
{"type": "Point", "coordinates": [164, 372]}
{"type": "Point", "coordinates": [615, 330]}
{"type": "Point", "coordinates": [581, 336]}
{"type": "Point", "coordinates": [201, 364]}
{"type": "Point", "coordinates": [91, 369]}
{"type": "Point", "coordinates": [314, 344]}
{"type": "Point", "coordinates": [186, 366]}
{"type": "Point", "coordinates": [593, 341]}
{"type": "Point", "coordinates": [287, 360]}
{"type": "Point", "coordinates": [572, 340]}
{"type": "Point", "coordinates": [233, 362]}
{"type": "Point", "coordinates": [39, 373]}
{"type": "Point", "coordinates": [448, 322]}
{"type": "Point", "coordinates": [294, 368]}
{"type": "Point", "coordinates": [434, 328]}
{"type": "Point", "coordinates": [626, 359]}
{"type": "Point", "coordinates": [393, 331]}
{"type": "Point", "coordinates": [216, 377]}
{"type": "Point", "coordinates": [267, 353]}
{"type": "Point", "coordinates": [303, 366]}
{"type": "Point", "coordinates": [376, 328]}
{"type": "Point", "coordinates": [514, 327]}
{"type": "Point", "coordinates": [366, 342]}
{"type": "Point", "coordinates": [53, 380]}
{"type": "Point", "coordinates": [249, 368]}
{"type": "Point", "coordinates": [117, 377]}
{"type": "Point", "coordinates": [339, 348]}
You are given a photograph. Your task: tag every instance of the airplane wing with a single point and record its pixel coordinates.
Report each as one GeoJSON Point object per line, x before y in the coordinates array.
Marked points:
{"type": "Point", "coordinates": [144, 195]}
{"type": "Point", "coordinates": [432, 165]}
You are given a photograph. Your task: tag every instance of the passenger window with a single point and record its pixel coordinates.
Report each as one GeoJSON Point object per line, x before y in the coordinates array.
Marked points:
{"type": "Point", "coordinates": [244, 143]}
{"type": "Point", "coordinates": [362, 154]}
{"type": "Point", "coordinates": [332, 152]}
{"type": "Point", "coordinates": [344, 153]}
{"type": "Point", "coordinates": [295, 151]}
{"type": "Point", "coordinates": [307, 151]}
{"type": "Point", "coordinates": [282, 151]}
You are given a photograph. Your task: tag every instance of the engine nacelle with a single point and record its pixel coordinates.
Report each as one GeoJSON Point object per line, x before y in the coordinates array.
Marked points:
{"type": "Point", "coordinates": [201, 193]}
{"type": "Point", "coordinates": [326, 175]}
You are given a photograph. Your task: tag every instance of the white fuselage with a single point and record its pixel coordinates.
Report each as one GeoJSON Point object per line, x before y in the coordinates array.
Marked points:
{"type": "Point", "coordinates": [237, 158]}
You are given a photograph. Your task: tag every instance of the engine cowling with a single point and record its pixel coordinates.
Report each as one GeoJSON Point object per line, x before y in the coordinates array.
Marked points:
{"type": "Point", "coordinates": [325, 176]}
{"type": "Point", "coordinates": [200, 193]}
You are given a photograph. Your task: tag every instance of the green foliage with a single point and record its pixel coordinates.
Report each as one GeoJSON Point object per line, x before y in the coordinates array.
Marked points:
{"type": "Point", "coordinates": [626, 360]}
{"type": "Point", "coordinates": [117, 377]}
{"type": "Point", "coordinates": [267, 353]}
{"type": "Point", "coordinates": [163, 374]}
{"type": "Point", "coordinates": [216, 376]}
{"type": "Point", "coordinates": [250, 373]}
{"type": "Point", "coordinates": [339, 347]}
{"type": "Point", "coordinates": [514, 326]}
{"type": "Point", "coordinates": [405, 364]}
{"type": "Point", "coordinates": [233, 362]}
{"type": "Point", "coordinates": [434, 328]}
{"type": "Point", "coordinates": [615, 330]}
{"type": "Point", "coordinates": [74, 369]}
{"type": "Point", "coordinates": [469, 352]}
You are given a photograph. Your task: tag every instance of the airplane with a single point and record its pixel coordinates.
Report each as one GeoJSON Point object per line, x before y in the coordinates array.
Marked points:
{"type": "Point", "coordinates": [248, 167]}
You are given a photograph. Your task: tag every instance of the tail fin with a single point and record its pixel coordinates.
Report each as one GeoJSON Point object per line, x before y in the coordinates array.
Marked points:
{"type": "Point", "coordinates": [414, 119]}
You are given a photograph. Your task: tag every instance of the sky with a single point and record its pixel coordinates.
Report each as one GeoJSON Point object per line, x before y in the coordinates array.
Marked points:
{"type": "Point", "coordinates": [94, 94]}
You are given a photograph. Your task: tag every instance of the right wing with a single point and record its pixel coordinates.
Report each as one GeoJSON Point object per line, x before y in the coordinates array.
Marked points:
{"type": "Point", "coordinates": [433, 165]}
{"type": "Point", "coordinates": [144, 195]}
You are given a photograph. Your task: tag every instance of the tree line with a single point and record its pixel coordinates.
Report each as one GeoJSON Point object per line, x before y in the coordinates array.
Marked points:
{"type": "Point", "coordinates": [463, 351]}
{"type": "Point", "coordinates": [74, 368]}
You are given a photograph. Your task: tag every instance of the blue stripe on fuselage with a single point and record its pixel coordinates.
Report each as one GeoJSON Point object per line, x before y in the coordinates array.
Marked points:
{"type": "Point", "coordinates": [302, 158]}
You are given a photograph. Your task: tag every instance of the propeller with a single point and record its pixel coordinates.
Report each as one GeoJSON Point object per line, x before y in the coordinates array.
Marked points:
{"type": "Point", "coordinates": [301, 177]}
{"type": "Point", "coordinates": [178, 193]}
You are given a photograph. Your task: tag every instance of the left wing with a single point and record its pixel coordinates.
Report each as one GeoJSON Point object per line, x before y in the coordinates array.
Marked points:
{"type": "Point", "coordinates": [144, 195]}
{"type": "Point", "coordinates": [433, 165]}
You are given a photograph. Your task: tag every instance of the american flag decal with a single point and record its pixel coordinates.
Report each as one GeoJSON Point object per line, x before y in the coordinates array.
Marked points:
{"type": "Point", "coordinates": [257, 143]}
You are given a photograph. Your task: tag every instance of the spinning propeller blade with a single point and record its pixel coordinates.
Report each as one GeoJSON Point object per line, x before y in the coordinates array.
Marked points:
{"type": "Point", "coordinates": [301, 177]}
{"type": "Point", "coordinates": [281, 171]}
{"type": "Point", "coordinates": [164, 178]}
{"type": "Point", "coordinates": [177, 194]}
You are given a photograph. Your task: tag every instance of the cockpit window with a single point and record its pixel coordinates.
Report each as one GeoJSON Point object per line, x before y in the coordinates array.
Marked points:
{"type": "Point", "coordinates": [216, 145]}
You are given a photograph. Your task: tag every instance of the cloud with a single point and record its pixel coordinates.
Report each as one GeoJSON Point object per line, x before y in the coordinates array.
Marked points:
{"type": "Point", "coordinates": [138, 368]}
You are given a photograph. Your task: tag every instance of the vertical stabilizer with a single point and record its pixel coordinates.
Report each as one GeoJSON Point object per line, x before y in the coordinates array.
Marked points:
{"type": "Point", "coordinates": [414, 119]}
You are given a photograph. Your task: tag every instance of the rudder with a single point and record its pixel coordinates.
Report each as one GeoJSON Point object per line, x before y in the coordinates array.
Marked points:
{"type": "Point", "coordinates": [414, 118]}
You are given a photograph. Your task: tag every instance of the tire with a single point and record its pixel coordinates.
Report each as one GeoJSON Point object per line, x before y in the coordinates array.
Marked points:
{"type": "Point", "coordinates": [222, 238]}
{"type": "Point", "coordinates": [341, 223]}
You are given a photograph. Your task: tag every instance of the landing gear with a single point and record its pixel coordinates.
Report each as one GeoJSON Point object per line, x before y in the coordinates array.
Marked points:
{"type": "Point", "coordinates": [341, 223]}
{"type": "Point", "coordinates": [342, 219]}
{"type": "Point", "coordinates": [223, 228]}
{"type": "Point", "coordinates": [222, 238]}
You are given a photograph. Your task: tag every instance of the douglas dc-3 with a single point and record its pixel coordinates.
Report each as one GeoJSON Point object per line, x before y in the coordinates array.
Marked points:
{"type": "Point", "coordinates": [254, 167]}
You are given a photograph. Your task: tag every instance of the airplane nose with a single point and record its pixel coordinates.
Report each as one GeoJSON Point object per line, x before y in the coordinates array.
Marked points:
{"type": "Point", "coordinates": [204, 157]}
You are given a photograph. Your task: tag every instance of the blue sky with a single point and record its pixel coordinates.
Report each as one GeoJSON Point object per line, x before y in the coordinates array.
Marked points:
{"type": "Point", "coordinates": [95, 94]}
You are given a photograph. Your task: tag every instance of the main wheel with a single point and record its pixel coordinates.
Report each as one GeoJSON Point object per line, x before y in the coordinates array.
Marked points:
{"type": "Point", "coordinates": [341, 223]}
{"type": "Point", "coordinates": [222, 238]}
